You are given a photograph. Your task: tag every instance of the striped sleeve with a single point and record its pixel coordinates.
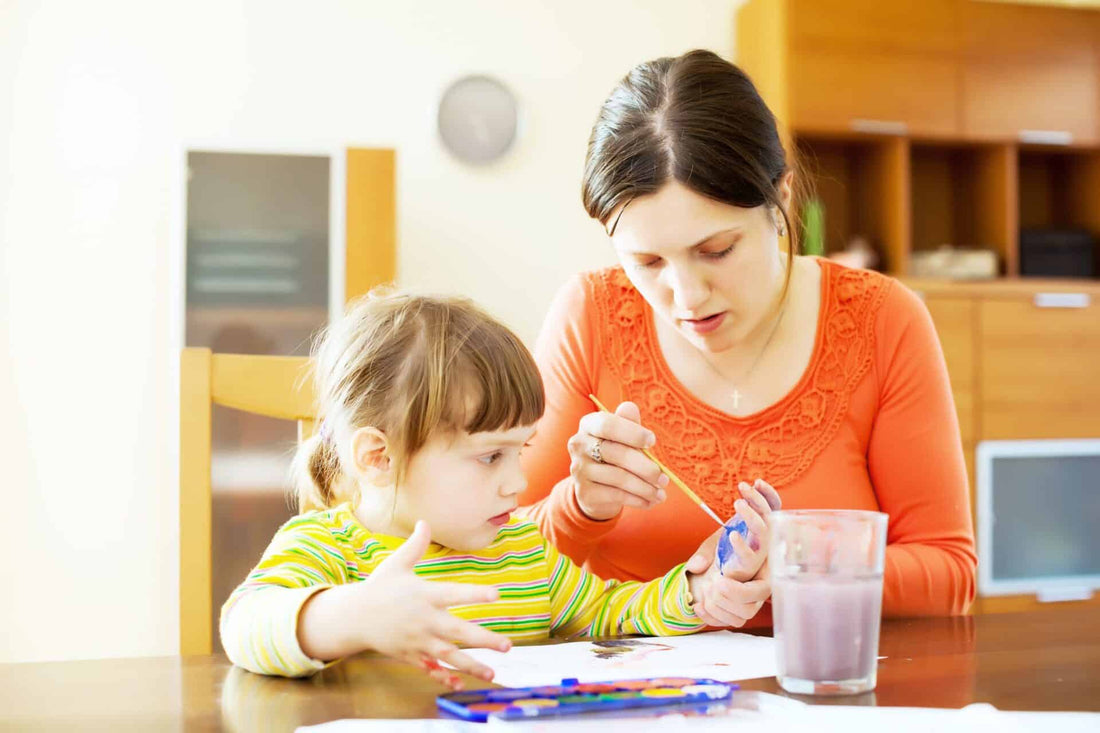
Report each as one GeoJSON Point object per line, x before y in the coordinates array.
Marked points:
{"type": "Point", "coordinates": [259, 622]}
{"type": "Point", "coordinates": [582, 604]}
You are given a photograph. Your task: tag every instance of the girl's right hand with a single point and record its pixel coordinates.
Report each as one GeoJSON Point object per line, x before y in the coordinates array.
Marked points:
{"type": "Point", "coordinates": [623, 476]}
{"type": "Point", "coordinates": [412, 621]}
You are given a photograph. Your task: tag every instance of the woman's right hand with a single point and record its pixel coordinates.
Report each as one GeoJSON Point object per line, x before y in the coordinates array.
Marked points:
{"type": "Point", "coordinates": [623, 476]}
{"type": "Point", "coordinates": [395, 612]}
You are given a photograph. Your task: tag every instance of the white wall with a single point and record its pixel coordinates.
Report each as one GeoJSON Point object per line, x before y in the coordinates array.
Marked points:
{"type": "Point", "coordinates": [96, 100]}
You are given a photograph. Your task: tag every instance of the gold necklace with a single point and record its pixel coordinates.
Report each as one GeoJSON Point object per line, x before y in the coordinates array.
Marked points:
{"type": "Point", "coordinates": [771, 334]}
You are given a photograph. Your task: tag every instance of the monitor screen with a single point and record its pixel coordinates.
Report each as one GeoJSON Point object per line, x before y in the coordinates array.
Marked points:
{"type": "Point", "coordinates": [1038, 516]}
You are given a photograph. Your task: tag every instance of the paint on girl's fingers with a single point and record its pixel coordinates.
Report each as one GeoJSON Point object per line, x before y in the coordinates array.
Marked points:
{"type": "Point", "coordinates": [727, 555]}
{"type": "Point", "coordinates": [441, 674]}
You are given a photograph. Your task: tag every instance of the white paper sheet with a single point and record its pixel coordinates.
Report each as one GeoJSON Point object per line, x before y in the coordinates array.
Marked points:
{"type": "Point", "coordinates": [393, 725]}
{"type": "Point", "coordinates": [979, 718]}
{"type": "Point", "coordinates": [720, 655]}
{"type": "Point", "coordinates": [827, 719]}
{"type": "Point", "coordinates": [759, 711]}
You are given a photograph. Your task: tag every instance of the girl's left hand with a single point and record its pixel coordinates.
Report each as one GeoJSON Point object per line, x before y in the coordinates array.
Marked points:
{"type": "Point", "coordinates": [721, 601]}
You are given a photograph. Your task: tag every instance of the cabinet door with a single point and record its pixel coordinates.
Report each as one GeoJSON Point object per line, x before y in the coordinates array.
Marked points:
{"type": "Point", "coordinates": [1043, 99]}
{"type": "Point", "coordinates": [930, 26]}
{"type": "Point", "coordinates": [1038, 367]}
{"type": "Point", "coordinates": [836, 89]}
{"type": "Point", "coordinates": [1019, 30]}
{"type": "Point", "coordinates": [1030, 69]}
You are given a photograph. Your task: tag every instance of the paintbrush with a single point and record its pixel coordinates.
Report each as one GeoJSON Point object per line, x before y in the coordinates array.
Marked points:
{"type": "Point", "coordinates": [668, 472]}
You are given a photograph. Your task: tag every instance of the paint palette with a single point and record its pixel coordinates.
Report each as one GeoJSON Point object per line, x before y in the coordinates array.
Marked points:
{"type": "Point", "coordinates": [572, 696]}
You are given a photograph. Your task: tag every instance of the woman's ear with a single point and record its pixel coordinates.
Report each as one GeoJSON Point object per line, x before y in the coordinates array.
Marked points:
{"type": "Point", "coordinates": [370, 452]}
{"type": "Point", "coordinates": [786, 189]}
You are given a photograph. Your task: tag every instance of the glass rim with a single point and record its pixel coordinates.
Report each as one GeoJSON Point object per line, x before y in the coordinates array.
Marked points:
{"type": "Point", "coordinates": [860, 514]}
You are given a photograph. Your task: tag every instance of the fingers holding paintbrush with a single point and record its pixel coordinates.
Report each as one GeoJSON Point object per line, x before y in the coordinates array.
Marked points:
{"type": "Point", "coordinates": [665, 471]}
{"type": "Point", "coordinates": [608, 466]}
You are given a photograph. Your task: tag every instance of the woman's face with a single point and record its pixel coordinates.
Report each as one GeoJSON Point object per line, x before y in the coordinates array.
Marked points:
{"type": "Point", "coordinates": [709, 270]}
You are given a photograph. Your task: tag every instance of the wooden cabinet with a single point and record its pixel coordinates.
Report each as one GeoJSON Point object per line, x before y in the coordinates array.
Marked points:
{"type": "Point", "coordinates": [988, 115]}
{"type": "Point", "coordinates": [1030, 73]}
{"type": "Point", "coordinates": [850, 90]}
{"type": "Point", "coordinates": [871, 67]}
{"type": "Point", "coordinates": [937, 69]}
{"type": "Point", "coordinates": [1010, 28]}
{"type": "Point", "coordinates": [1022, 357]}
{"type": "Point", "coordinates": [1050, 98]}
{"type": "Point", "coordinates": [1039, 356]}
{"type": "Point", "coordinates": [930, 26]}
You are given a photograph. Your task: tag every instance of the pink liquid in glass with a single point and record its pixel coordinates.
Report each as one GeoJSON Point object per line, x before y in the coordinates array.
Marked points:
{"type": "Point", "coordinates": [826, 632]}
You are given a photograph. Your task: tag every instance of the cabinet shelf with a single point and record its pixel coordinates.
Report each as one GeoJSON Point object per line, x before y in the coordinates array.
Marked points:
{"type": "Point", "coordinates": [909, 196]}
{"type": "Point", "coordinates": [1059, 188]}
{"type": "Point", "coordinates": [963, 195]}
{"type": "Point", "coordinates": [860, 181]}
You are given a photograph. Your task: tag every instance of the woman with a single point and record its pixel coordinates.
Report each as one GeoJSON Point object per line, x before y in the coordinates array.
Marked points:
{"type": "Point", "coordinates": [736, 360]}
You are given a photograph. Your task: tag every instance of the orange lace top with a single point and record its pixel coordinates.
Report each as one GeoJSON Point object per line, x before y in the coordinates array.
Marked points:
{"type": "Point", "coordinates": [870, 425]}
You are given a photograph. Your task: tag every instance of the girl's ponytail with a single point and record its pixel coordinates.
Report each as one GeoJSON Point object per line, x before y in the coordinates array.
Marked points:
{"type": "Point", "coordinates": [316, 471]}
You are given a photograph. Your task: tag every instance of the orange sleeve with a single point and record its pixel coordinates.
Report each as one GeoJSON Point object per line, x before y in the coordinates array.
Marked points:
{"type": "Point", "coordinates": [916, 465]}
{"type": "Point", "coordinates": [568, 358]}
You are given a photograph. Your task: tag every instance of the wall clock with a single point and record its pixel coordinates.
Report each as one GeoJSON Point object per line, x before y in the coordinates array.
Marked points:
{"type": "Point", "coordinates": [478, 119]}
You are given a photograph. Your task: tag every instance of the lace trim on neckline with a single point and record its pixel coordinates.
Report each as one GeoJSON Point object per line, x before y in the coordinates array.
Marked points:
{"type": "Point", "coordinates": [711, 450]}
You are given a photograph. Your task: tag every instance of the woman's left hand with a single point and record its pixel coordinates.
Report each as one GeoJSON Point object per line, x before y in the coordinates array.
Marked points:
{"type": "Point", "coordinates": [724, 599]}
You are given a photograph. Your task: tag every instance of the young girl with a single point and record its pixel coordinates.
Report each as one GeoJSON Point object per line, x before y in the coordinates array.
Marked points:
{"type": "Point", "coordinates": [426, 404]}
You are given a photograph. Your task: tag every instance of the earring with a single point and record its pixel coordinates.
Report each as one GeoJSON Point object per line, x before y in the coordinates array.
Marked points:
{"type": "Point", "coordinates": [782, 230]}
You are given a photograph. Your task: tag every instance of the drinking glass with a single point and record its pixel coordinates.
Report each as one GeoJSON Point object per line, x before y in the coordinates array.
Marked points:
{"type": "Point", "coordinates": [826, 570]}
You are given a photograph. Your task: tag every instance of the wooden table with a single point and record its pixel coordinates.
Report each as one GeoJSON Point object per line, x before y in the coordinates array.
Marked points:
{"type": "Point", "coordinates": [1048, 660]}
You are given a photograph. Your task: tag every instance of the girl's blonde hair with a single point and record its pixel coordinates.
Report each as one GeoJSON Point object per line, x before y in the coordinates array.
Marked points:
{"type": "Point", "coordinates": [412, 366]}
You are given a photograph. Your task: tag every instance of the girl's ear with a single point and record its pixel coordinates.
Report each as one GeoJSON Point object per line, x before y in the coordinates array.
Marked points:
{"type": "Point", "coordinates": [370, 452]}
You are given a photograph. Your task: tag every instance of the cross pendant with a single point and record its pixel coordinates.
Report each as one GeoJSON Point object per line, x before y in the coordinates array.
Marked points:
{"type": "Point", "coordinates": [736, 399]}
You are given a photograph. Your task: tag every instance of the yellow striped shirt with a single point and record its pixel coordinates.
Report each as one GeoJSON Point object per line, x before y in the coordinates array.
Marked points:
{"type": "Point", "coordinates": [542, 593]}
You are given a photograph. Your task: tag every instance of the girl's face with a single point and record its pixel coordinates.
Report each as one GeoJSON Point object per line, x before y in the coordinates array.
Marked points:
{"type": "Point", "coordinates": [709, 270]}
{"type": "Point", "coordinates": [465, 486]}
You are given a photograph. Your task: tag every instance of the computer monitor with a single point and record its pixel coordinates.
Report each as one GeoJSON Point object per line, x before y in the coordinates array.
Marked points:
{"type": "Point", "coordinates": [1038, 511]}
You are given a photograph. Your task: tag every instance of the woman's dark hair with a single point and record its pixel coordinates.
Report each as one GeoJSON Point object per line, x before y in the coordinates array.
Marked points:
{"type": "Point", "coordinates": [696, 119]}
